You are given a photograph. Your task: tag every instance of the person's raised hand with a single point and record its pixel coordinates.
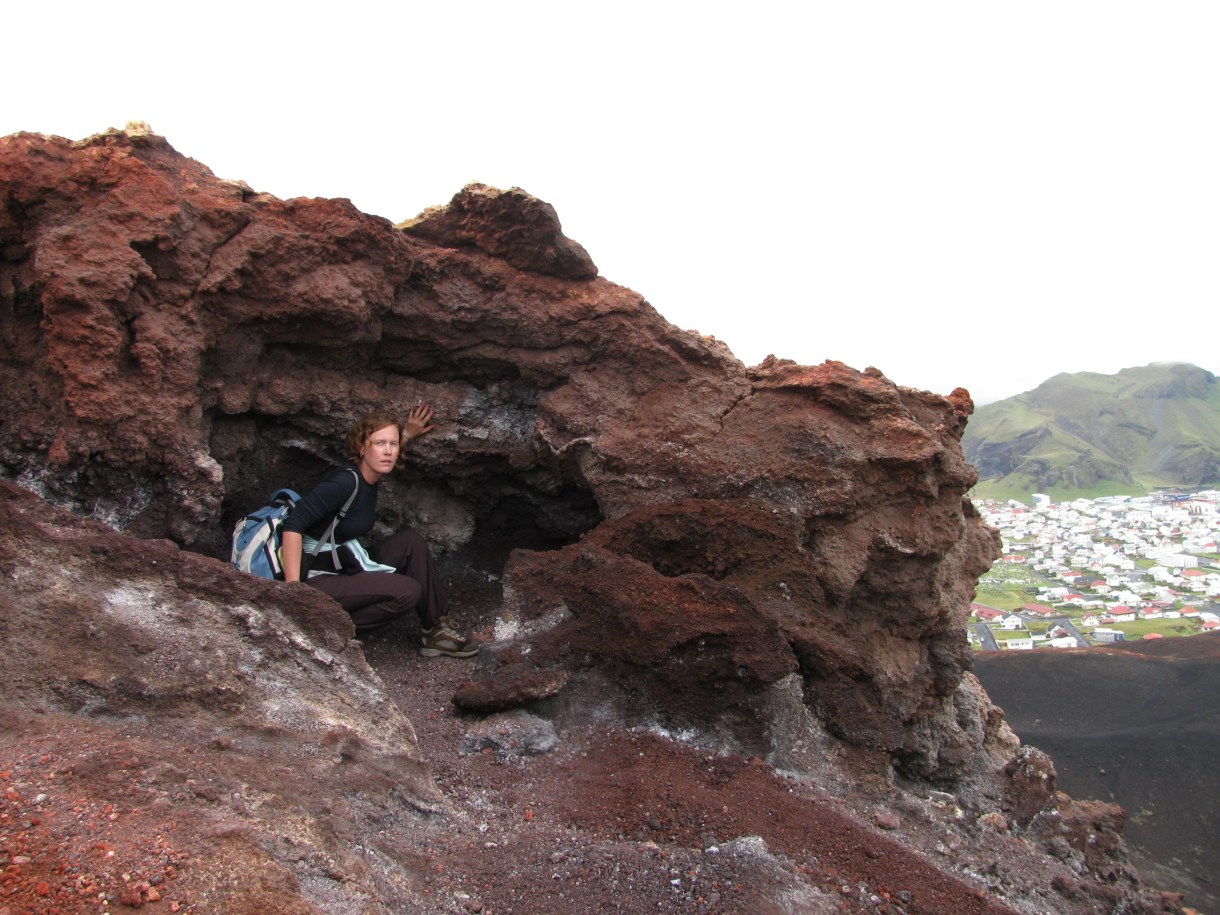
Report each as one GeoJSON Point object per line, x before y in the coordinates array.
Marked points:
{"type": "Point", "coordinates": [419, 421]}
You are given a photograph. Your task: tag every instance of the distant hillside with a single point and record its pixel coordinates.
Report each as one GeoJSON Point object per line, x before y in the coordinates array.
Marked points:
{"type": "Point", "coordinates": [1087, 434]}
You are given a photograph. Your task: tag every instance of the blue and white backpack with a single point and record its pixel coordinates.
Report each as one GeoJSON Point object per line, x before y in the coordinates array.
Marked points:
{"type": "Point", "coordinates": [256, 538]}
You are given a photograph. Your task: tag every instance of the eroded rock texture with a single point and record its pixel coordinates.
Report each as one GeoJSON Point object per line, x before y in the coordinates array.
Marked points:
{"type": "Point", "coordinates": [177, 345]}
{"type": "Point", "coordinates": [777, 560]}
{"type": "Point", "coordinates": [204, 709]}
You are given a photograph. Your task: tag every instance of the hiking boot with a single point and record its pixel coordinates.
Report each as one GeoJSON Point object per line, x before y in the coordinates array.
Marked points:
{"type": "Point", "coordinates": [444, 641]}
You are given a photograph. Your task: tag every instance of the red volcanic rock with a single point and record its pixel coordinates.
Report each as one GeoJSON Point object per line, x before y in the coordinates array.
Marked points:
{"type": "Point", "coordinates": [828, 504]}
{"type": "Point", "coordinates": [516, 686]}
{"type": "Point", "coordinates": [141, 295]}
{"type": "Point", "coordinates": [650, 637]}
{"type": "Point", "coordinates": [1032, 777]}
{"type": "Point", "coordinates": [157, 708]}
{"type": "Point", "coordinates": [777, 560]}
{"type": "Point", "coordinates": [511, 225]}
{"type": "Point", "coordinates": [180, 346]}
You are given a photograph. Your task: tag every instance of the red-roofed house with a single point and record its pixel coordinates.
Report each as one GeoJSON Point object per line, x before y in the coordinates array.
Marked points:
{"type": "Point", "coordinates": [1040, 610]}
{"type": "Point", "coordinates": [988, 614]}
{"type": "Point", "coordinates": [1122, 613]}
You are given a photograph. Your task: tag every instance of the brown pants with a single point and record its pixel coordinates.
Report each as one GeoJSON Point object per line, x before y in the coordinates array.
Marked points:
{"type": "Point", "coordinates": [375, 599]}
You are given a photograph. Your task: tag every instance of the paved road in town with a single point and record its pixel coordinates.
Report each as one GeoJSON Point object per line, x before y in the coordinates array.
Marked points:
{"type": "Point", "coordinates": [985, 636]}
{"type": "Point", "coordinates": [1072, 631]}
{"type": "Point", "coordinates": [989, 642]}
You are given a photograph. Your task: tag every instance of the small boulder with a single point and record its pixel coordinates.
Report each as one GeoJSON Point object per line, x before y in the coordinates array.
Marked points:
{"type": "Point", "coordinates": [510, 687]}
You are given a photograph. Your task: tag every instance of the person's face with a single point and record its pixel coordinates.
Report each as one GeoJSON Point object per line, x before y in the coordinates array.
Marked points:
{"type": "Point", "coordinates": [380, 453]}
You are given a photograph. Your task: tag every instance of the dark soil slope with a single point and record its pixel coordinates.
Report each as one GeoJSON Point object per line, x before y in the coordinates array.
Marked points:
{"type": "Point", "coordinates": [1139, 726]}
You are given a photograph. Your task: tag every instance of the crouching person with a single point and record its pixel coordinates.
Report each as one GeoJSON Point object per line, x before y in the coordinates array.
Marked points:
{"type": "Point", "coordinates": [400, 575]}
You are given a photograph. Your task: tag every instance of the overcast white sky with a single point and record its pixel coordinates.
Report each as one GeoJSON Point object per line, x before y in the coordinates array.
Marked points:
{"type": "Point", "coordinates": [973, 193]}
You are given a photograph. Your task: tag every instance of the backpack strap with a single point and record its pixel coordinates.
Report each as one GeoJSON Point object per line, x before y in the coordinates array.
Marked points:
{"type": "Point", "coordinates": [329, 536]}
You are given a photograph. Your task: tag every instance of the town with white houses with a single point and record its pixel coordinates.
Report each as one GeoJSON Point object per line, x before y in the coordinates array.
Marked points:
{"type": "Point", "coordinates": [1096, 571]}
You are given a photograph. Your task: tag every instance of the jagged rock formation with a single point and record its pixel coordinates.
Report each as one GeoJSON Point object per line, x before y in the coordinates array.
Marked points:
{"type": "Point", "coordinates": [754, 554]}
{"type": "Point", "coordinates": [178, 345]}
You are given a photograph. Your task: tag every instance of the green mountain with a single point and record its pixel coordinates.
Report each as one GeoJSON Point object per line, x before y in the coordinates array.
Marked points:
{"type": "Point", "coordinates": [1086, 434]}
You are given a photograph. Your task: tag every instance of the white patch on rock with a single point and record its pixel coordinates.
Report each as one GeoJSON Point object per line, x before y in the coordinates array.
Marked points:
{"type": "Point", "coordinates": [516, 733]}
{"type": "Point", "coordinates": [507, 629]}
{"type": "Point", "coordinates": [138, 607]}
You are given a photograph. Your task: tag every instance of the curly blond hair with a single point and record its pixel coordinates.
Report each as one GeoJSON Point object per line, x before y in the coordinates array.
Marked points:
{"type": "Point", "coordinates": [359, 434]}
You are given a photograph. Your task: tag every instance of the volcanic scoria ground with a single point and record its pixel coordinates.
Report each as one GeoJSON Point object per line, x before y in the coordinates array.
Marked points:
{"type": "Point", "coordinates": [602, 823]}
{"type": "Point", "coordinates": [593, 820]}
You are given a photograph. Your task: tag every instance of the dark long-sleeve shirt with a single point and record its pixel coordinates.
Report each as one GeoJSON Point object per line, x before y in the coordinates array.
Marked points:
{"type": "Point", "coordinates": [318, 507]}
